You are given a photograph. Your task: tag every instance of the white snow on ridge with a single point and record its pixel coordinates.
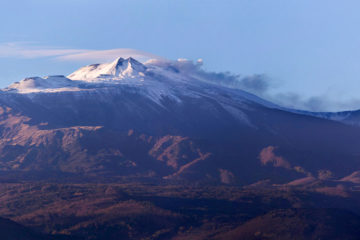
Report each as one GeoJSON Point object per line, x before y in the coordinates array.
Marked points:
{"type": "Point", "coordinates": [117, 70]}
{"type": "Point", "coordinates": [55, 83]}
{"type": "Point", "coordinates": [155, 79]}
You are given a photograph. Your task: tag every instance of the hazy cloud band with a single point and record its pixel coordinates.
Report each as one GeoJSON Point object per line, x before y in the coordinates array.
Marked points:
{"type": "Point", "coordinates": [26, 50]}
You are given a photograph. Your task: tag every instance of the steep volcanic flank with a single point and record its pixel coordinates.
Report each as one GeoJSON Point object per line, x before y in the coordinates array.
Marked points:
{"type": "Point", "coordinates": [160, 120]}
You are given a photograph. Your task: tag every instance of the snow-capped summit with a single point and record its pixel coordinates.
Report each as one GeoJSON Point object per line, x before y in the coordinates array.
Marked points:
{"type": "Point", "coordinates": [182, 121]}
{"type": "Point", "coordinates": [53, 83]}
{"type": "Point", "coordinates": [119, 69]}
{"type": "Point", "coordinates": [155, 79]}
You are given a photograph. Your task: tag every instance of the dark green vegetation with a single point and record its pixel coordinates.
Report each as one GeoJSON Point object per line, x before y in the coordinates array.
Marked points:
{"type": "Point", "coordinates": [145, 211]}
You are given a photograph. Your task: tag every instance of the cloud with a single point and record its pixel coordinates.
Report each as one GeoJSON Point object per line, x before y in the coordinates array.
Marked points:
{"type": "Point", "coordinates": [264, 87]}
{"type": "Point", "coordinates": [256, 84]}
{"type": "Point", "coordinates": [106, 55]}
{"type": "Point", "coordinates": [29, 50]}
{"type": "Point", "coordinates": [322, 103]}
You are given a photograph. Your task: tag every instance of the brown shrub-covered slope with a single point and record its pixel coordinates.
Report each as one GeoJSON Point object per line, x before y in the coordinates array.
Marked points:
{"type": "Point", "coordinates": [138, 211]}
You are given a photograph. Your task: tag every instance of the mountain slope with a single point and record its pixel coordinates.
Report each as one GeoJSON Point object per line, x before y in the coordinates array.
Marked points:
{"type": "Point", "coordinates": [10, 230]}
{"type": "Point", "coordinates": [299, 224]}
{"type": "Point", "coordinates": [164, 120]}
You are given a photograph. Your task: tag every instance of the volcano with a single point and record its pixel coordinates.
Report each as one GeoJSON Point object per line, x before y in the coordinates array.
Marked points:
{"type": "Point", "coordinates": [164, 121]}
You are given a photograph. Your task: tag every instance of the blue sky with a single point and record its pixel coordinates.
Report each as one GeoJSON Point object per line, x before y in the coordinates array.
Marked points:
{"type": "Point", "coordinates": [309, 50]}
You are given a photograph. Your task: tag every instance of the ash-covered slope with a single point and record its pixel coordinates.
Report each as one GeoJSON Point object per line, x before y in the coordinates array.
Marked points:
{"type": "Point", "coordinates": [164, 120]}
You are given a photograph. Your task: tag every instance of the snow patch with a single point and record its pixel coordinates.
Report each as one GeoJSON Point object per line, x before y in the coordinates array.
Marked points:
{"type": "Point", "coordinates": [57, 83]}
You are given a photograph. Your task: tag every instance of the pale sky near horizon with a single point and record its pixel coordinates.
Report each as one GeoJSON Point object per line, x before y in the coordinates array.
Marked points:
{"type": "Point", "coordinates": [309, 50]}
